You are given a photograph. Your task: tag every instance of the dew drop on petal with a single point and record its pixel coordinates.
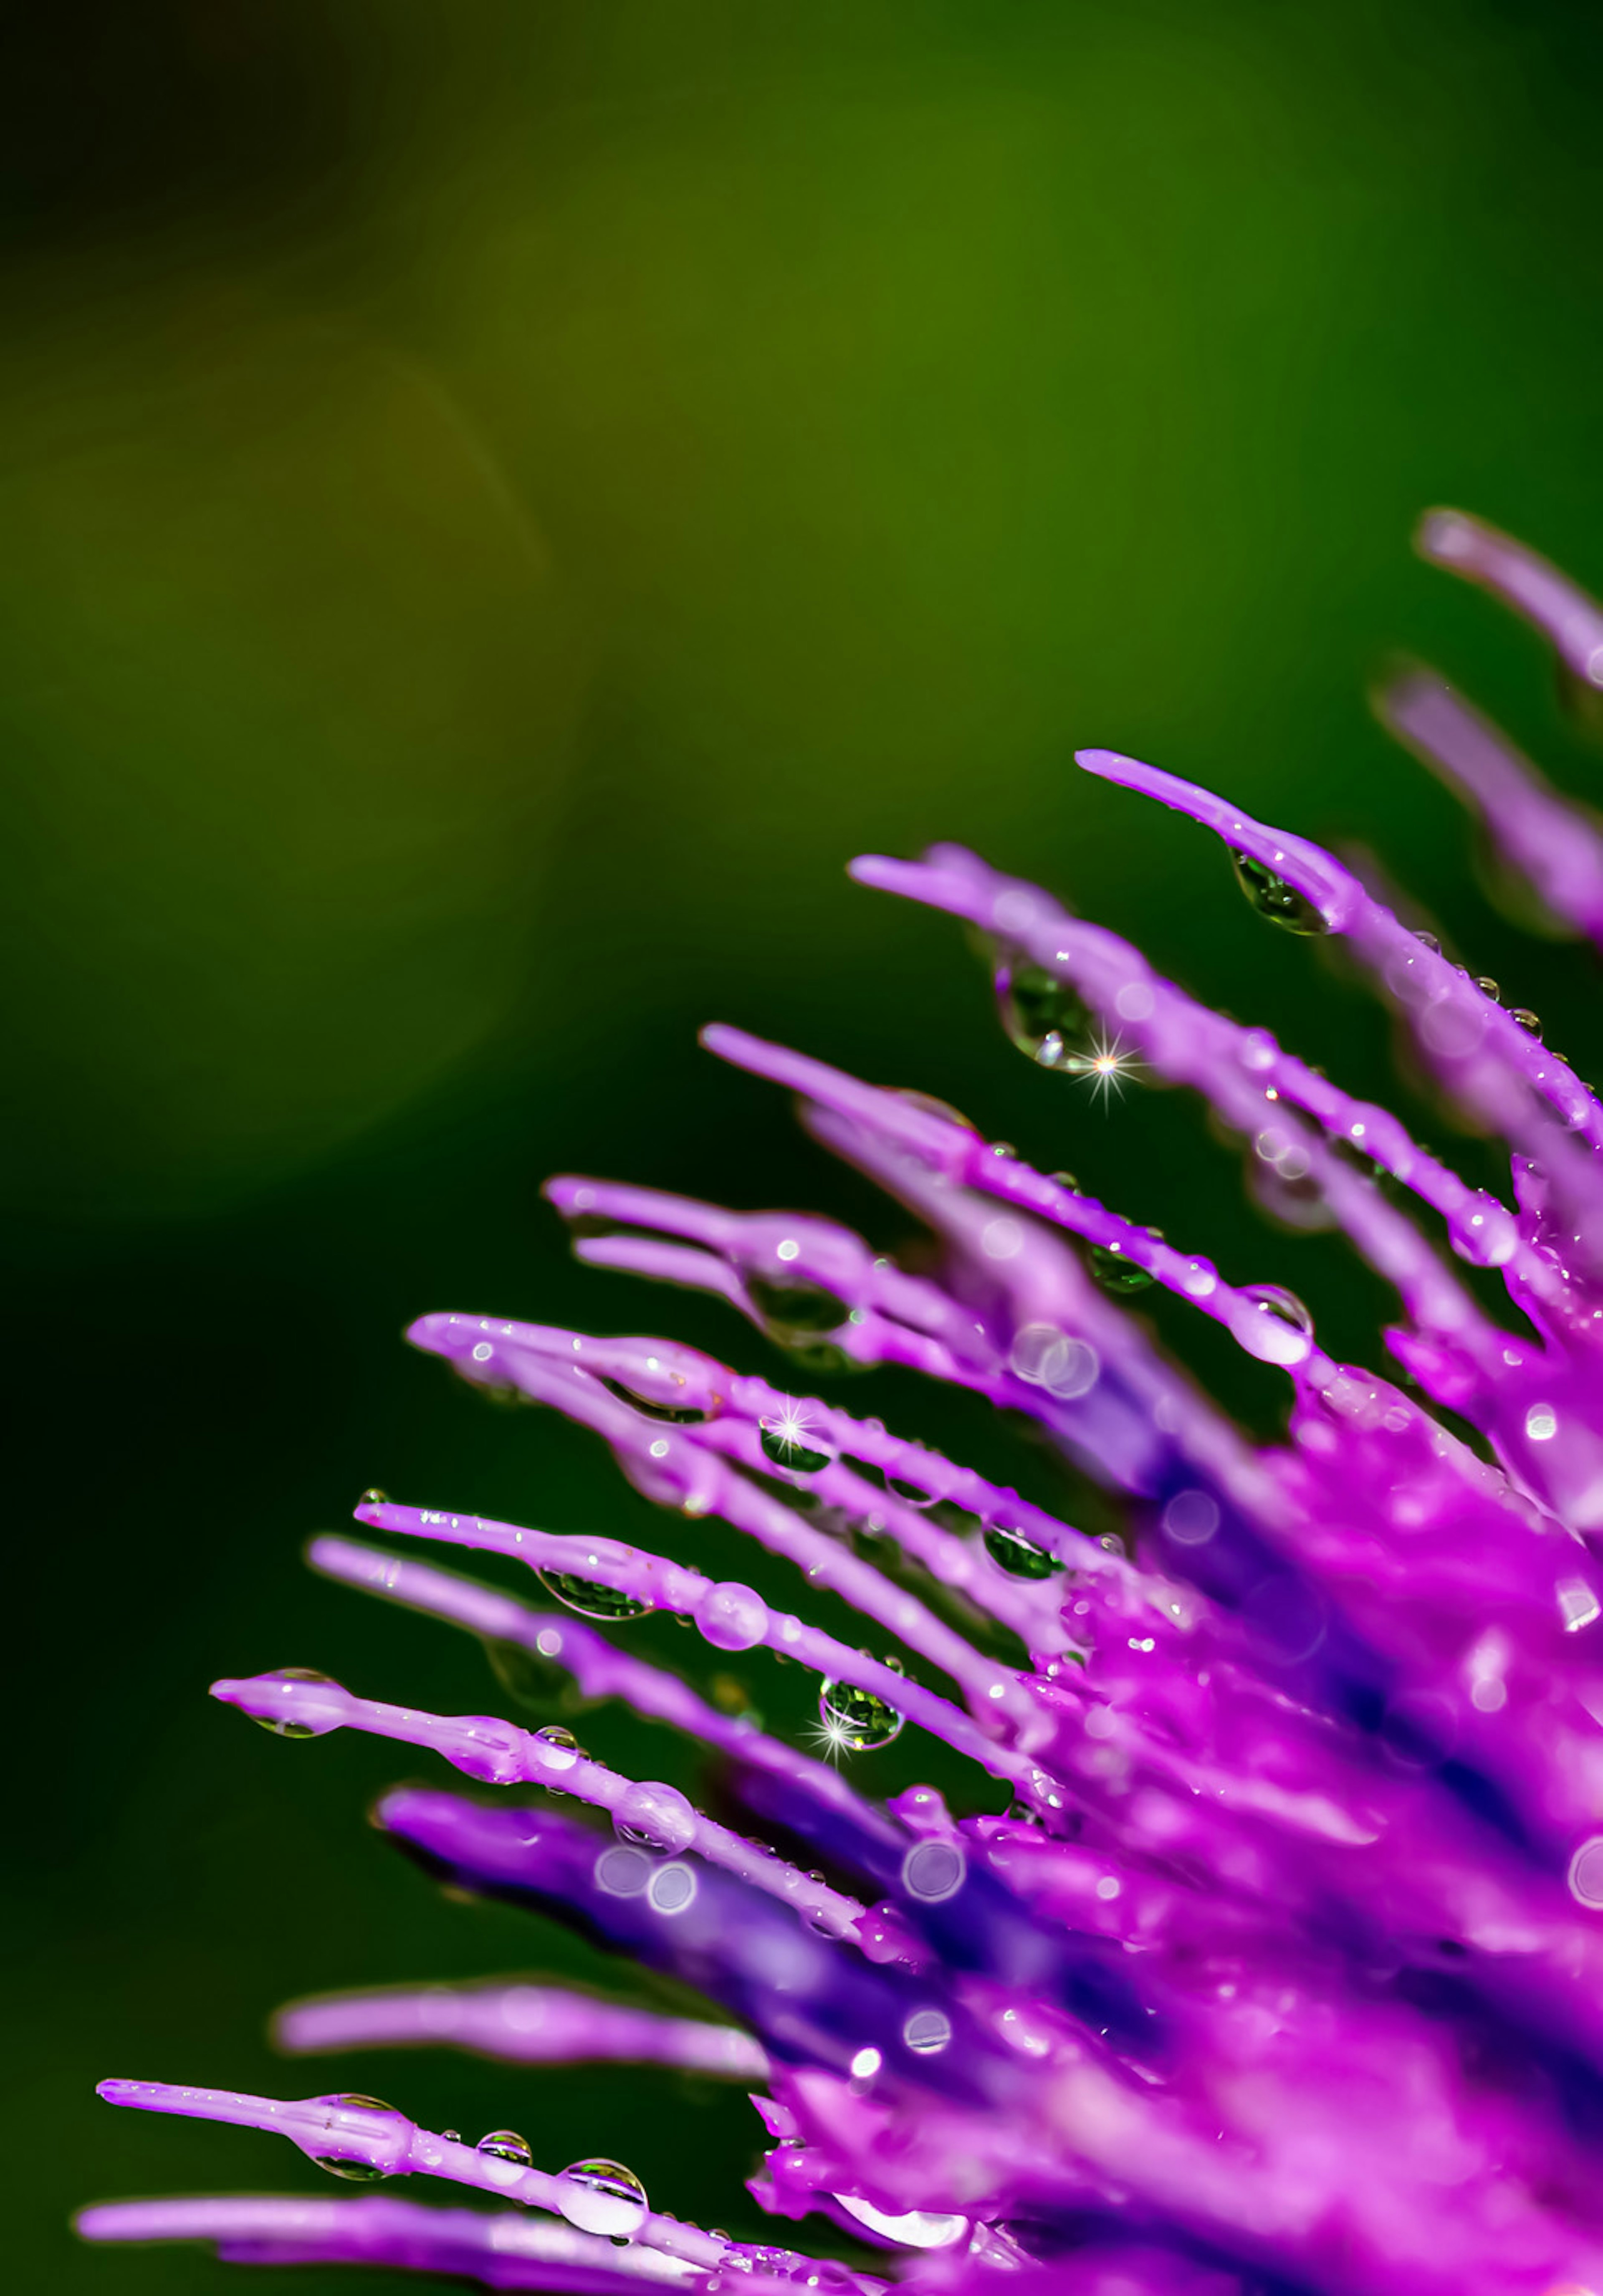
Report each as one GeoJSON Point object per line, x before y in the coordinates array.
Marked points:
{"type": "Point", "coordinates": [733, 1617]}
{"type": "Point", "coordinates": [1274, 899]}
{"type": "Point", "coordinates": [604, 2197]}
{"type": "Point", "coordinates": [1039, 1012]}
{"type": "Point", "coordinates": [793, 1312]}
{"type": "Point", "coordinates": [314, 1724]}
{"type": "Point", "coordinates": [590, 1599]}
{"type": "Point", "coordinates": [1115, 1273]}
{"type": "Point", "coordinates": [782, 1443]}
{"type": "Point", "coordinates": [564, 1748]}
{"type": "Point", "coordinates": [350, 2165]}
{"type": "Point", "coordinates": [1281, 1331]}
{"type": "Point", "coordinates": [675, 1414]}
{"type": "Point", "coordinates": [505, 2155]}
{"type": "Point", "coordinates": [855, 1719]}
{"type": "Point", "coordinates": [1018, 1556]}
{"type": "Point", "coordinates": [1484, 1234]}
{"type": "Point", "coordinates": [355, 2170]}
{"type": "Point", "coordinates": [1526, 1020]}
{"type": "Point", "coordinates": [655, 1816]}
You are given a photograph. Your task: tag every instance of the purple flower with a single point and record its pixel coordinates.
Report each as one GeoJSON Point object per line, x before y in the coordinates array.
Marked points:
{"type": "Point", "coordinates": [1285, 1968]}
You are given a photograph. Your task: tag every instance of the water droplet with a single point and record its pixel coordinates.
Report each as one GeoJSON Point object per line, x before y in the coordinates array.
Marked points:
{"type": "Point", "coordinates": [830, 1922]}
{"type": "Point", "coordinates": [451, 2136]}
{"type": "Point", "coordinates": [1039, 1012]}
{"type": "Point", "coordinates": [351, 2165]}
{"type": "Point", "coordinates": [1526, 1020]}
{"type": "Point", "coordinates": [1280, 1330]}
{"type": "Point", "coordinates": [913, 1493]}
{"type": "Point", "coordinates": [280, 1726]}
{"type": "Point", "coordinates": [526, 1675]}
{"type": "Point", "coordinates": [1111, 1542]}
{"type": "Point", "coordinates": [926, 2032]}
{"type": "Point", "coordinates": [655, 1816]}
{"type": "Point", "coordinates": [1487, 985]}
{"type": "Point", "coordinates": [565, 1749]}
{"type": "Point", "coordinates": [931, 1106]}
{"type": "Point", "coordinates": [733, 1617]}
{"type": "Point", "coordinates": [1285, 1306]}
{"type": "Point", "coordinates": [1018, 1556]}
{"type": "Point", "coordinates": [855, 1719]}
{"type": "Point", "coordinates": [960, 1521]}
{"type": "Point", "coordinates": [793, 1312]}
{"type": "Point", "coordinates": [373, 1497]}
{"type": "Point", "coordinates": [1115, 1273]}
{"type": "Point", "coordinates": [651, 1409]}
{"type": "Point", "coordinates": [354, 2171]}
{"type": "Point", "coordinates": [1428, 940]}
{"type": "Point", "coordinates": [1484, 1232]}
{"type": "Point", "coordinates": [781, 1443]}
{"type": "Point", "coordinates": [603, 2196]}
{"type": "Point", "coordinates": [1067, 1180]}
{"type": "Point", "coordinates": [1274, 899]}
{"type": "Point", "coordinates": [505, 2155]}
{"type": "Point", "coordinates": [590, 1599]}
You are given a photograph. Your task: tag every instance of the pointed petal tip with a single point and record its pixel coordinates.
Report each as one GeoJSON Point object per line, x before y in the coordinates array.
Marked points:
{"type": "Point", "coordinates": [1442, 534]}
{"type": "Point", "coordinates": [385, 1808]}
{"type": "Point", "coordinates": [725, 1042]}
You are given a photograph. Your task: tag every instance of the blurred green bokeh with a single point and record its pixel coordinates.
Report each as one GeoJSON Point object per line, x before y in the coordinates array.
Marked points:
{"type": "Point", "coordinates": [498, 503]}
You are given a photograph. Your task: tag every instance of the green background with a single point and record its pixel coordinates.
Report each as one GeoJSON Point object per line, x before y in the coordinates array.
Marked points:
{"type": "Point", "coordinates": [497, 504]}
